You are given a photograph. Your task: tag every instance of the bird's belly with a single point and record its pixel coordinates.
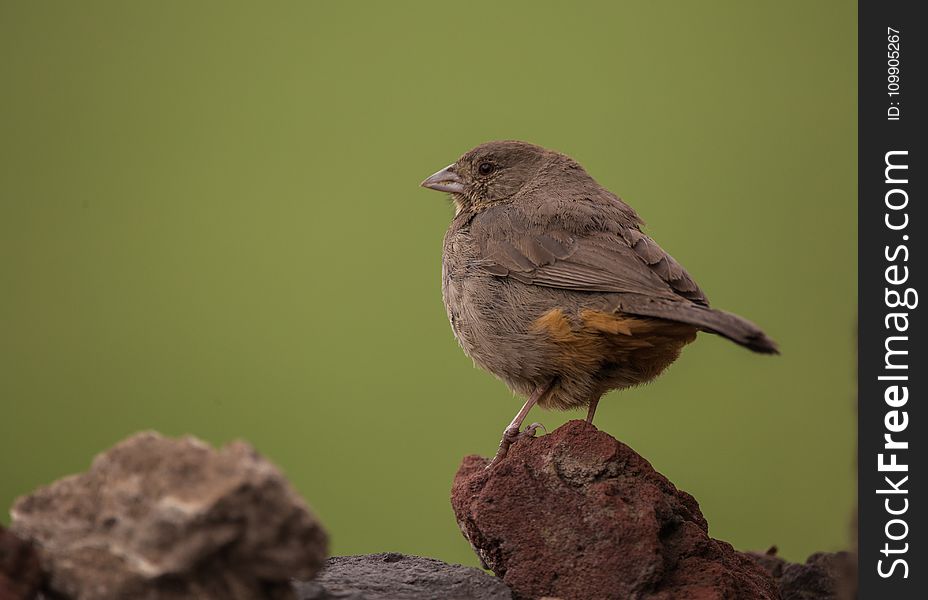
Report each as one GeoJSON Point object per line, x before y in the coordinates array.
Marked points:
{"type": "Point", "coordinates": [530, 335]}
{"type": "Point", "coordinates": [599, 350]}
{"type": "Point", "coordinates": [491, 321]}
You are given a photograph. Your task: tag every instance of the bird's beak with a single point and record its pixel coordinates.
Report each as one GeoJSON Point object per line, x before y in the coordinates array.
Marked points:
{"type": "Point", "coordinates": [445, 180]}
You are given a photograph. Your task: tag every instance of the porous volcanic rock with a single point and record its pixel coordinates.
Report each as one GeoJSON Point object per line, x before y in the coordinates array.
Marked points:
{"type": "Point", "coordinates": [578, 515]}
{"type": "Point", "coordinates": [165, 518]}
{"type": "Point", "coordinates": [20, 570]}
{"type": "Point", "coordinates": [392, 576]}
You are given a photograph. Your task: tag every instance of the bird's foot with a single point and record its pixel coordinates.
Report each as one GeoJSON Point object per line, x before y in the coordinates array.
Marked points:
{"type": "Point", "coordinates": [531, 429]}
{"type": "Point", "coordinates": [511, 435]}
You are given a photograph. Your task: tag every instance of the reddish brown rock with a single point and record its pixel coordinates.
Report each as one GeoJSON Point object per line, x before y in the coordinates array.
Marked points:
{"type": "Point", "coordinates": [20, 571]}
{"type": "Point", "coordinates": [578, 515]}
{"type": "Point", "coordinates": [160, 518]}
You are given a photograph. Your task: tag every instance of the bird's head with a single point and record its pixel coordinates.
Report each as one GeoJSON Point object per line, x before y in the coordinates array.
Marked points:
{"type": "Point", "coordinates": [490, 173]}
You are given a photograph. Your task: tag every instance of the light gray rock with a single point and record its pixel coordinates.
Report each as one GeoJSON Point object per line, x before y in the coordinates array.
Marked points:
{"type": "Point", "coordinates": [165, 518]}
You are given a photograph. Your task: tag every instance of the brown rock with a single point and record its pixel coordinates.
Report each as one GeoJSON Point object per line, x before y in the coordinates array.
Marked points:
{"type": "Point", "coordinates": [578, 515]}
{"type": "Point", "coordinates": [20, 571]}
{"type": "Point", "coordinates": [173, 518]}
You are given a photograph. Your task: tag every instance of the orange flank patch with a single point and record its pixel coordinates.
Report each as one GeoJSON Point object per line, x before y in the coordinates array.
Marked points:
{"type": "Point", "coordinates": [609, 322]}
{"type": "Point", "coordinates": [555, 324]}
{"type": "Point", "coordinates": [598, 337]}
{"type": "Point", "coordinates": [617, 349]}
{"type": "Point", "coordinates": [643, 328]}
{"type": "Point", "coordinates": [575, 346]}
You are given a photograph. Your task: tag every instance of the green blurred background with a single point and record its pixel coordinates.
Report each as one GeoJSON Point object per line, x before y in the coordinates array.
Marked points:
{"type": "Point", "coordinates": [210, 223]}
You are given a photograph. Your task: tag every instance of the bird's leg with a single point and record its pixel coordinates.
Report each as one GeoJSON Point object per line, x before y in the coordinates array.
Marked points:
{"type": "Point", "coordinates": [512, 431]}
{"type": "Point", "coordinates": [592, 410]}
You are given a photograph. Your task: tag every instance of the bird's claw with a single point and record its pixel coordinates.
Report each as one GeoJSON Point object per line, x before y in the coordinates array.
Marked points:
{"type": "Point", "coordinates": [511, 435]}
{"type": "Point", "coordinates": [531, 429]}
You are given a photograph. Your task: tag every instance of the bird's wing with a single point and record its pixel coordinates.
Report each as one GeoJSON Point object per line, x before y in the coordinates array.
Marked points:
{"type": "Point", "coordinates": [598, 258]}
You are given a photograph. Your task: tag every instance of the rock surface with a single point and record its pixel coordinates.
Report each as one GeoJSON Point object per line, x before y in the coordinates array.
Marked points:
{"type": "Point", "coordinates": [391, 576]}
{"type": "Point", "coordinates": [578, 515]}
{"type": "Point", "coordinates": [824, 576]}
{"type": "Point", "coordinates": [21, 574]}
{"type": "Point", "coordinates": [173, 518]}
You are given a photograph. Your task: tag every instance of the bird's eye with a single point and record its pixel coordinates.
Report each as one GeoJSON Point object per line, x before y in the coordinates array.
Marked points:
{"type": "Point", "coordinates": [485, 168]}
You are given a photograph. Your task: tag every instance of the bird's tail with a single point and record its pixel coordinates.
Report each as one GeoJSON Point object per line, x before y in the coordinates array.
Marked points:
{"type": "Point", "coordinates": [731, 326]}
{"type": "Point", "coordinates": [728, 325]}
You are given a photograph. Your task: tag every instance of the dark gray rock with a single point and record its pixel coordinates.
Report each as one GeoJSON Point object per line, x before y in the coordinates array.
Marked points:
{"type": "Point", "coordinates": [161, 518]}
{"type": "Point", "coordinates": [392, 576]}
{"type": "Point", "coordinates": [824, 575]}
